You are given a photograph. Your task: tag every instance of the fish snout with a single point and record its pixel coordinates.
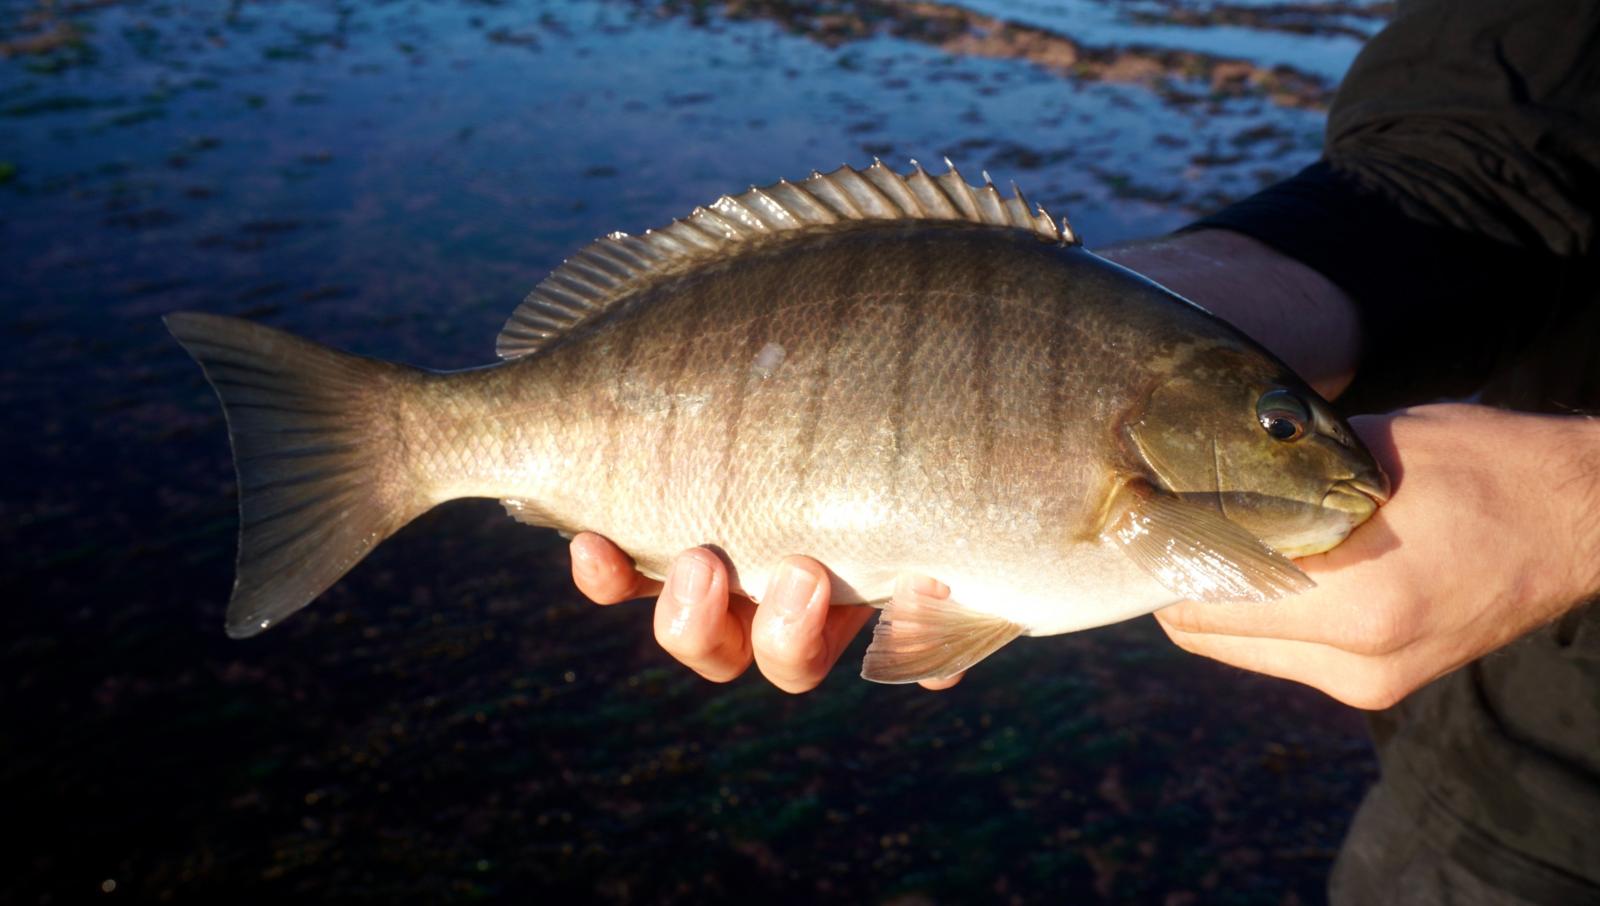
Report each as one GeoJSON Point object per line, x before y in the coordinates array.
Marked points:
{"type": "Point", "coordinates": [1360, 495]}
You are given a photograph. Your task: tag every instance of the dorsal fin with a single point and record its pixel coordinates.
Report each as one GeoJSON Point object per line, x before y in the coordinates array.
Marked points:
{"type": "Point", "coordinates": [609, 269]}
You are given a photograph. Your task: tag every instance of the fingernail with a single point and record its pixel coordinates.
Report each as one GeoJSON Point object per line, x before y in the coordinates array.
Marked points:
{"type": "Point", "coordinates": [792, 588]}
{"type": "Point", "coordinates": [691, 578]}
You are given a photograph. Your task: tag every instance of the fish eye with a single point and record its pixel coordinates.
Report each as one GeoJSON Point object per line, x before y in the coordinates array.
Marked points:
{"type": "Point", "coordinates": [1283, 415]}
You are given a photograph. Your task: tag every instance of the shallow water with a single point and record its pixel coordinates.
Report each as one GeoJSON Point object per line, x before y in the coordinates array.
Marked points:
{"type": "Point", "coordinates": [451, 720]}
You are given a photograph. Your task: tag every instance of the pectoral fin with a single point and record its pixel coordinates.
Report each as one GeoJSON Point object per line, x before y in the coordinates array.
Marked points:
{"type": "Point", "coordinates": [1195, 552]}
{"type": "Point", "coordinates": [923, 635]}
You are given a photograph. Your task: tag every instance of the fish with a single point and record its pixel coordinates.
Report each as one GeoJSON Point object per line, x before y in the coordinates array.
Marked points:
{"type": "Point", "coordinates": [899, 374]}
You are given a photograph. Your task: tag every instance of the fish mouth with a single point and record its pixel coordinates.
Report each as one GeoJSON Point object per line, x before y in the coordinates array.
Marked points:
{"type": "Point", "coordinates": [1358, 495]}
{"type": "Point", "coordinates": [1348, 503]}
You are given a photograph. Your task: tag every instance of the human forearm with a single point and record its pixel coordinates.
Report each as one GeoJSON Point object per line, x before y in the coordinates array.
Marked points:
{"type": "Point", "coordinates": [1291, 309]}
{"type": "Point", "coordinates": [1572, 490]}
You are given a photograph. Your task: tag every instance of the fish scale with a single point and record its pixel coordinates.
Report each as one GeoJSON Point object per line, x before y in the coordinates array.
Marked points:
{"type": "Point", "coordinates": [898, 375]}
{"type": "Point", "coordinates": [931, 485]}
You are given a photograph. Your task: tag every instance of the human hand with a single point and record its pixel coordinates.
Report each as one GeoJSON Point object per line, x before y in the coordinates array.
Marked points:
{"type": "Point", "coordinates": [794, 637]}
{"type": "Point", "coordinates": [1491, 532]}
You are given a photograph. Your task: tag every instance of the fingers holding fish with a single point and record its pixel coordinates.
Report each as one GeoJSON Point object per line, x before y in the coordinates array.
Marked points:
{"type": "Point", "coordinates": [699, 623]}
{"type": "Point", "coordinates": [1413, 593]}
{"type": "Point", "coordinates": [795, 634]}
{"type": "Point", "coordinates": [605, 574]}
{"type": "Point", "coordinates": [1361, 681]}
{"type": "Point", "coordinates": [1355, 610]}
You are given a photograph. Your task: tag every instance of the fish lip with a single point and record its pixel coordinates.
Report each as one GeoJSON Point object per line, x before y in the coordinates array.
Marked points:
{"type": "Point", "coordinates": [1374, 486]}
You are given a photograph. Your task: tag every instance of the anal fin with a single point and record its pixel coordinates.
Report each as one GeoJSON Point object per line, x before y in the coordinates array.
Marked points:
{"type": "Point", "coordinates": [923, 635]}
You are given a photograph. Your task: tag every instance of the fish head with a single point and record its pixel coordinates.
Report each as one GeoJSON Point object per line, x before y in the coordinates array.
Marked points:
{"type": "Point", "coordinates": [1232, 428]}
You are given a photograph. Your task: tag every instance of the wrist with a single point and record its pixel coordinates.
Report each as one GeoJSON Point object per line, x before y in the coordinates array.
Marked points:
{"type": "Point", "coordinates": [1538, 478]}
{"type": "Point", "coordinates": [1575, 489]}
{"type": "Point", "coordinates": [1286, 306]}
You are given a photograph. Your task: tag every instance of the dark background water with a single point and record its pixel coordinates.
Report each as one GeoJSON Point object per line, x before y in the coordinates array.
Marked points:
{"type": "Point", "coordinates": [451, 721]}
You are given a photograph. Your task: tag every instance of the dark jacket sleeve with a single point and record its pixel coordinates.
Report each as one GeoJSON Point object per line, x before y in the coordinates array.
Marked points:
{"type": "Point", "coordinates": [1459, 184]}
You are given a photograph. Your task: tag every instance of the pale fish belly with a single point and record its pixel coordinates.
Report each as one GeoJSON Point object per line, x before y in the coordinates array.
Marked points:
{"type": "Point", "coordinates": [1049, 591]}
{"type": "Point", "coordinates": [1084, 586]}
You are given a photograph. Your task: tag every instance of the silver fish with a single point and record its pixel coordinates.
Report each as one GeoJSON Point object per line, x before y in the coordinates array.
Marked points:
{"type": "Point", "coordinates": [895, 374]}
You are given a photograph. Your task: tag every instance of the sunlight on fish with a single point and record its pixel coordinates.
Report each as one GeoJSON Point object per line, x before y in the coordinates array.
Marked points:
{"type": "Point", "coordinates": [967, 393]}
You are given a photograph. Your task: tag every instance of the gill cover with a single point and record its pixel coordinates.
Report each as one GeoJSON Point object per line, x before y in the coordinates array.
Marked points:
{"type": "Point", "coordinates": [1238, 433]}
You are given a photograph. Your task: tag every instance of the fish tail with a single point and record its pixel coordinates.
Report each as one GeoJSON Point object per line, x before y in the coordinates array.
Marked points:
{"type": "Point", "coordinates": [319, 456]}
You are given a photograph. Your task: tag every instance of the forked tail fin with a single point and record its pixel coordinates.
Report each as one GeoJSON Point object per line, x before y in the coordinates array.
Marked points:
{"type": "Point", "coordinates": [315, 444]}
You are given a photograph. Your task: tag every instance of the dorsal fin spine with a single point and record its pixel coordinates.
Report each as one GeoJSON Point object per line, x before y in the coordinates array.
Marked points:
{"type": "Point", "coordinates": [668, 240]}
{"type": "Point", "coordinates": [599, 257]}
{"type": "Point", "coordinates": [558, 298]}
{"type": "Point", "coordinates": [937, 201]}
{"type": "Point", "coordinates": [734, 212]}
{"type": "Point", "coordinates": [833, 195]}
{"type": "Point", "coordinates": [543, 316]}
{"type": "Point", "coordinates": [1021, 214]}
{"type": "Point", "coordinates": [563, 306]}
{"type": "Point", "coordinates": [992, 204]}
{"type": "Point", "coordinates": [618, 255]}
{"type": "Point", "coordinates": [640, 248]}
{"type": "Point", "coordinates": [692, 234]}
{"type": "Point", "coordinates": [815, 209]}
{"type": "Point", "coordinates": [960, 193]}
{"type": "Point", "coordinates": [1045, 221]}
{"type": "Point", "coordinates": [574, 281]}
{"type": "Point", "coordinates": [586, 267]}
{"type": "Point", "coordinates": [773, 210]}
{"type": "Point", "coordinates": [610, 269]}
{"type": "Point", "coordinates": [622, 256]}
{"type": "Point", "coordinates": [550, 318]}
{"type": "Point", "coordinates": [893, 185]}
{"type": "Point", "coordinates": [528, 331]}
{"type": "Point", "coordinates": [1018, 209]}
{"type": "Point", "coordinates": [876, 204]}
{"type": "Point", "coordinates": [1067, 234]}
{"type": "Point", "coordinates": [712, 223]}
